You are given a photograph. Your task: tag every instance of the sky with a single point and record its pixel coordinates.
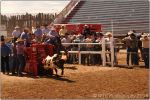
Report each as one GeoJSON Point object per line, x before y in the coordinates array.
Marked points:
{"type": "Point", "coordinates": [19, 7]}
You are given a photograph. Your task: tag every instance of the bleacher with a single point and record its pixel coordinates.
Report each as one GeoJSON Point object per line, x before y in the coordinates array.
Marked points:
{"type": "Point", "coordinates": [122, 15]}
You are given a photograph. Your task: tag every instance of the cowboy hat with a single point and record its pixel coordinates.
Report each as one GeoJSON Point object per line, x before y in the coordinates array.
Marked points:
{"type": "Point", "coordinates": [8, 39]}
{"type": "Point", "coordinates": [63, 26]}
{"type": "Point", "coordinates": [108, 33]}
{"type": "Point", "coordinates": [17, 27]}
{"type": "Point", "coordinates": [99, 34]}
{"type": "Point", "coordinates": [145, 35]}
{"type": "Point", "coordinates": [19, 40]}
{"type": "Point", "coordinates": [130, 32]}
{"type": "Point", "coordinates": [55, 55]}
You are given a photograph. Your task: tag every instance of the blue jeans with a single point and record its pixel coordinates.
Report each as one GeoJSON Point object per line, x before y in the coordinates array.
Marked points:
{"type": "Point", "coordinates": [134, 56]}
{"type": "Point", "coordinates": [133, 52]}
{"type": "Point", "coordinates": [5, 64]}
{"type": "Point", "coordinates": [22, 63]}
{"type": "Point", "coordinates": [128, 55]}
{"type": "Point", "coordinates": [146, 56]}
{"type": "Point", "coordinates": [15, 64]}
{"type": "Point", "coordinates": [115, 56]}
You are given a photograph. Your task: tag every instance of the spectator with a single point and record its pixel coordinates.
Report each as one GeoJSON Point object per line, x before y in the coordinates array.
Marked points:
{"type": "Point", "coordinates": [5, 52]}
{"type": "Point", "coordinates": [134, 49]}
{"type": "Point", "coordinates": [145, 46]}
{"type": "Point", "coordinates": [109, 35]}
{"type": "Point", "coordinates": [80, 39]}
{"type": "Point", "coordinates": [140, 44]}
{"type": "Point", "coordinates": [14, 59]}
{"type": "Point", "coordinates": [25, 37]}
{"type": "Point", "coordinates": [67, 39]}
{"type": "Point", "coordinates": [89, 47]}
{"type": "Point", "coordinates": [62, 31]}
{"type": "Point", "coordinates": [33, 30]}
{"type": "Point", "coordinates": [86, 31]}
{"type": "Point", "coordinates": [20, 56]}
{"type": "Point", "coordinates": [2, 38]}
{"type": "Point", "coordinates": [127, 42]}
{"type": "Point", "coordinates": [38, 34]}
{"type": "Point", "coordinates": [46, 30]}
{"type": "Point", "coordinates": [138, 36]}
{"type": "Point", "coordinates": [16, 33]}
{"type": "Point", "coordinates": [97, 57]}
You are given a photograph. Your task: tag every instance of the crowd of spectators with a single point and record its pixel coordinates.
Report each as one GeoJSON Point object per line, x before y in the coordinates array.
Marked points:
{"type": "Point", "coordinates": [15, 46]}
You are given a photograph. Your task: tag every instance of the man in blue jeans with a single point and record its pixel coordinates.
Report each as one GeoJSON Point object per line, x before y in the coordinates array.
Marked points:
{"type": "Point", "coordinates": [5, 52]}
{"type": "Point", "coordinates": [14, 59]}
{"type": "Point", "coordinates": [127, 41]}
{"type": "Point", "coordinates": [132, 48]}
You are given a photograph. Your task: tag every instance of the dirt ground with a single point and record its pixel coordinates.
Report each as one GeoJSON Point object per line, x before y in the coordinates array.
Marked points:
{"type": "Point", "coordinates": [79, 82]}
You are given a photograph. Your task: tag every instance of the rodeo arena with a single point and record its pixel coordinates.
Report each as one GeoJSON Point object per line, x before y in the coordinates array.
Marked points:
{"type": "Point", "coordinates": [99, 48]}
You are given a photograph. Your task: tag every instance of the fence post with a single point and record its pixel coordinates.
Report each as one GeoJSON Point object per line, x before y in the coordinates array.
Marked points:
{"type": "Point", "coordinates": [130, 59]}
{"type": "Point", "coordinates": [103, 52]}
{"type": "Point", "coordinates": [79, 53]}
{"type": "Point", "coordinates": [112, 51]}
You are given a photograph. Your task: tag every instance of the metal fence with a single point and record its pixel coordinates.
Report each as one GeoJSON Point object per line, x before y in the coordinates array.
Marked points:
{"type": "Point", "coordinates": [121, 55]}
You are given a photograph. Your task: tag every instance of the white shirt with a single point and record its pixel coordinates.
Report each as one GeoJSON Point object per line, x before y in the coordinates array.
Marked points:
{"type": "Point", "coordinates": [66, 40]}
{"type": "Point", "coordinates": [16, 33]}
{"type": "Point", "coordinates": [145, 42]}
{"type": "Point", "coordinates": [45, 31]}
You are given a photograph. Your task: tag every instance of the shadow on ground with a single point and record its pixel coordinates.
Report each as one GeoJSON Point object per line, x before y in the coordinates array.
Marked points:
{"type": "Point", "coordinates": [56, 77]}
{"type": "Point", "coordinates": [71, 67]}
{"type": "Point", "coordinates": [130, 67]}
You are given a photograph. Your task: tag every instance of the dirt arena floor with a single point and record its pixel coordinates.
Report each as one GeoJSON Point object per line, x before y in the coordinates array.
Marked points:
{"type": "Point", "coordinates": [80, 82]}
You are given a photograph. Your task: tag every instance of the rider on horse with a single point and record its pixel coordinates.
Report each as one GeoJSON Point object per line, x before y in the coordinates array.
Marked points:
{"type": "Point", "coordinates": [54, 39]}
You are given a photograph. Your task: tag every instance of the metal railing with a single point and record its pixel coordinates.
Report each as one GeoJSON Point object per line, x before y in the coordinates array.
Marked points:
{"type": "Point", "coordinates": [103, 52]}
